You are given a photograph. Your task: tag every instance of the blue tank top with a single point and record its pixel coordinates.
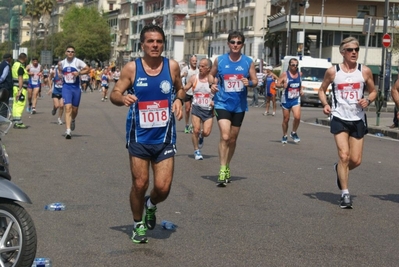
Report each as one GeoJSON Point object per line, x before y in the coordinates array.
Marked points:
{"type": "Point", "coordinates": [293, 88]}
{"type": "Point", "coordinates": [269, 80]}
{"type": "Point", "coordinates": [57, 83]}
{"type": "Point", "coordinates": [232, 94]}
{"type": "Point", "coordinates": [150, 120]}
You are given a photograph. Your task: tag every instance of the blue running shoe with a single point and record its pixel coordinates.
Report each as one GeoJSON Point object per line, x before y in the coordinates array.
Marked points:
{"type": "Point", "coordinates": [284, 139]}
{"type": "Point", "coordinates": [295, 137]}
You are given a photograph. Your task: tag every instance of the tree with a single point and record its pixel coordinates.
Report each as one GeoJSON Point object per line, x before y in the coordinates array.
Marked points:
{"type": "Point", "coordinates": [272, 41]}
{"type": "Point", "coordinates": [88, 31]}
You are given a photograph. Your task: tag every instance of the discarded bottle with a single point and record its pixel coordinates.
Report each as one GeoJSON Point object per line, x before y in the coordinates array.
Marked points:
{"type": "Point", "coordinates": [379, 134]}
{"type": "Point", "coordinates": [42, 262]}
{"type": "Point", "coordinates": [55, 206]}
{"type": "Point", "coordinates": [168, 225]}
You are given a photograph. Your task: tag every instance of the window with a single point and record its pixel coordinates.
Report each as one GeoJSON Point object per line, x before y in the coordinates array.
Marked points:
{"type": "Point", "coordinates": [111, 6]}
{"type": "Point", "coordinates": [364, 10]}
{"type": "Point", "coordinates": [201, 25]}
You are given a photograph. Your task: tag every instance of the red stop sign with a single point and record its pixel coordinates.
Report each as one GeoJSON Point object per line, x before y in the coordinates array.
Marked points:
{"type": "Point", "coordinates": [386, 40]}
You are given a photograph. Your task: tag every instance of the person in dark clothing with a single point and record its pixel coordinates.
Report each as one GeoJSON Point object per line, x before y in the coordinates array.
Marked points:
{"type": "Point", "coordinates": [5, 83]}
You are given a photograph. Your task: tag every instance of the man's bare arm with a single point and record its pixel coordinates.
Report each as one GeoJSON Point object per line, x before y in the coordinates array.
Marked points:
{"type": "Point", "coordinates": [125, 82]}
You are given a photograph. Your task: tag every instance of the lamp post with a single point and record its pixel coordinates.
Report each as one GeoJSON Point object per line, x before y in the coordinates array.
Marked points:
{"type": "Point", "coordinates": [321, 28]}
{"type": "Point", "coordinates": [288, 45]}
{"type": "Point", "coordinates": [305, 6]}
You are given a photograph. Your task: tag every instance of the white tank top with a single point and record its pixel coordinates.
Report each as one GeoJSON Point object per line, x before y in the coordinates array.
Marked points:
{"type": "Point", "coordinates": [35, 78]}
{"type": "Point", "coordinates": [347, 89]}
{"type": "Point", "coordinates": [191, 72]}
{"type": "Point", "coordinates": [202, 96]}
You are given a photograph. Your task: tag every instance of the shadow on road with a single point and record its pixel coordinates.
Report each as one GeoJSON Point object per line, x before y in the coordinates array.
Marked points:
{"type": "Point", "coordinates": [326, 196]}
{"type": "Point", "coordinates": [157, 233]}
{"type": "Point", "coordinates": [389, 197]}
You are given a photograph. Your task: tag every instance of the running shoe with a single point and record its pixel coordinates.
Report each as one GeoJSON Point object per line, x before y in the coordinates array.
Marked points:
{"type": "Point", "coordinates": [197, 155]}
{"type": "Point", "coordinates": [284, 139]}
{"type": "Point", "coordinates": [20, 126]}
{"type": "Point", "coordinates": [139, 234]}
{"type": "Point", "coordinates": [102, 99]}
{"type": "Point", "coordinates": [187, 129]}
{"type": "Point", "coordinates": [105, 97]}
{"type": "Point", "coordinates": [228, 175]}
{"type": "Point", "coordinates": [68, 134]}
{"type": "Point", "coordinates": [274, 113]}
{"type": "Point", "coordinates": [295, 137]}
{"type": "Point", "coordinates": [150, 219]}
{"type": "Point", "coordinates": [33, 111]}
{"type": "Point", "coordinates": [29, 109]}
{"type": "Point", "coordinates": [190, 128]}
{"type": "Point", "coordinates": [73, 125]}
{"type": "Point", "coordinates": [266, 113]}
{"type": "Point", "coordinates": [200, 141]}
{"type": "Point", "coordinates": [222, 178]}
{"type": "Point", "coordinates": [59, 121]}
{"type": "Point", "coordinates": [346, 202]}
{"type": "Point", "coordinates": [53, 111]}
{"type": "Point", "coordinates": [336, 171]}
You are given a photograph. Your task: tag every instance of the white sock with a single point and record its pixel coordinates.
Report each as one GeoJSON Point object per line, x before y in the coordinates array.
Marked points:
{"type": "Point", "coordinates": [149, 203]}
{"type": "Point", "coordinates": [344, 191]}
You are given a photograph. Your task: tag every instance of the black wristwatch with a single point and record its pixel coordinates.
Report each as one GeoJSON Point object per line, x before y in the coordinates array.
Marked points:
{"type": "Point", "coordinates": [181, 100]}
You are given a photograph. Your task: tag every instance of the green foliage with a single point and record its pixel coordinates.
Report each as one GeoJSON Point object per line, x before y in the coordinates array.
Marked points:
{"type": "Point", "coordinates": [5, 10]}
{"type": "Point", "coordinates": [88, 31]}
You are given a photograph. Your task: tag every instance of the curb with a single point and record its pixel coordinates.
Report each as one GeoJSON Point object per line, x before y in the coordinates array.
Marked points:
{"type": "Point", "coordinates": [372, 129]}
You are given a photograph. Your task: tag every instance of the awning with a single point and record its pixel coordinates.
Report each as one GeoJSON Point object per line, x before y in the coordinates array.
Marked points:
{"type": "Point", "coordinates": [375, 69]}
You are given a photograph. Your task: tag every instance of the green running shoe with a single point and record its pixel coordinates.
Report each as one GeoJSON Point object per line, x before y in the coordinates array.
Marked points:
{"type": "Point", "coordinates": [222, 178]}
{"type": "Point", "coordinates": [150, 219]}
{"type": "Point", "coordinates": [187, 129]}
{"type": "Point", "coordinates": [139, 234]}
{"type": "Point", "coordinates": [20, 126]}
{"type": "Point", "coordinates": [228, 175]}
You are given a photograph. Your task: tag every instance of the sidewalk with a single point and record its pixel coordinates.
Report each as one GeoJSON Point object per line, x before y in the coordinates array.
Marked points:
{"type": "Point", "coordinates": [385, 120]}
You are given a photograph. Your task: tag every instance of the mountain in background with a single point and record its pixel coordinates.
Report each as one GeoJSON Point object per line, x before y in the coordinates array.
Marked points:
{"type": "Point", "coordinates": [5, 10]}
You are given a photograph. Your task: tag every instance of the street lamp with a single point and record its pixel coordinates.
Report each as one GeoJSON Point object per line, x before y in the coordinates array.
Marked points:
{"type": "Point", "coordinates": [305, 6]}
{"type": "Point", "coordinates": [288, 45]}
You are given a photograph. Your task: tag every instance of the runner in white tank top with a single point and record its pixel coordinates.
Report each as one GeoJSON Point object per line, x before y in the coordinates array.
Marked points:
{"type": "Point", "coordinates": [202, 106]}
{"type": "Point", "coordinates": [348, 121]}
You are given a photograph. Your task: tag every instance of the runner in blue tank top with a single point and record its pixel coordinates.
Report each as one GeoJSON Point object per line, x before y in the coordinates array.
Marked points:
{"type": "Point", "coordinates": [291, 99]}
{"type": "Point", "coordinates": [230, 76]}
{"type": "Point", "coordinates": [56, 82]}
{"type": "Point", "coordinates": [153, 83]}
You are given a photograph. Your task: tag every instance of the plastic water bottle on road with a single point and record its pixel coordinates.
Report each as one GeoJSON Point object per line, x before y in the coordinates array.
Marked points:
{"type": "Point", "coordinates": [55, 206]}
{"type": "Point", "coordinates": [168, 225]}
{"type": "Point", "coordinates": [42, 262]}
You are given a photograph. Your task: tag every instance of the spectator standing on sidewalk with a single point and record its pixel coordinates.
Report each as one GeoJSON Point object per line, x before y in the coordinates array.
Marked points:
{"type": "Point", "coordinates": [270, 89]}
{"type": "Point", "coordinates": [348, 121]}
{"type": "Point", "coordinates": [5, 82]}
{"type": "Point", "coordinates": [20, 79]}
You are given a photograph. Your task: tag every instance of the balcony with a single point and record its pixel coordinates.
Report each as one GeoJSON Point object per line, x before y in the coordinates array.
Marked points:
{"type": "Point", "coordinates": [194, 35]}
{"type": "Point", "coordinates": [250, 3]}
{"type": "Point", "coordinates": [279, 21]}
{"type": "Point", "coordinates": [222, 33]}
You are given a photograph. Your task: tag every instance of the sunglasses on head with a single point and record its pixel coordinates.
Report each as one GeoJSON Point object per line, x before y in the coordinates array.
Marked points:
{"type": "Point", "coordinates": [351, 49]}
{"type": "Point", "coordinates": [235, 42]}
{"type": "Point", "coordinates": [294, 65]}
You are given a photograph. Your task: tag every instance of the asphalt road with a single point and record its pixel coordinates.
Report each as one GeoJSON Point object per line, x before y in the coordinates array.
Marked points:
{"type": "Point", "coordinates": [281, 208]}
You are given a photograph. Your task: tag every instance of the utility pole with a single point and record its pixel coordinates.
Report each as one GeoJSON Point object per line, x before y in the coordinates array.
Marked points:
{"type": "Point", "coordinates": [381, 85]}
{"type": "Point", "coordinates": [321, 28]}
{"type": "Point", "coordinates": [288, 45]}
